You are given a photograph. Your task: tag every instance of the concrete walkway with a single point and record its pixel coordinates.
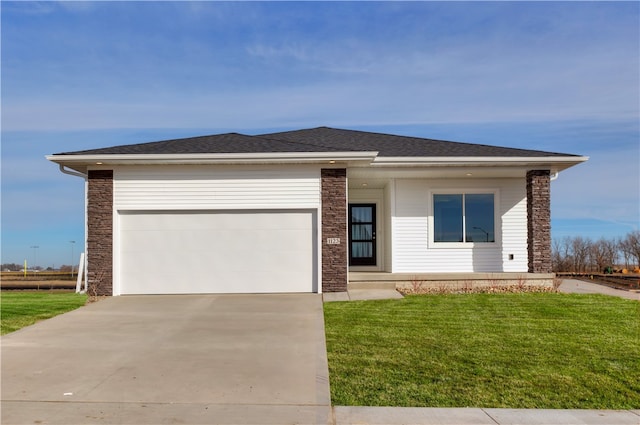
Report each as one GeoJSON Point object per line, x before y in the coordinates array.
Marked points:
{"type": "Point", "coordinates": [475, 416]}
{"type": "Point", "coordinates": [569, 286]}
{"type": "Point", "coordinates": [573, 286]}
{"type": "Point", "coordinates": [362, 295]}
{"type": "Point", "coordinates": [236, 359]}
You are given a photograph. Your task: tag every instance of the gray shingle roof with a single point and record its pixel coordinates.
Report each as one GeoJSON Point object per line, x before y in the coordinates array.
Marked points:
{"type": "Point", "coordinates": [398, 146]}
{"type": "Point", "coordinates": [219, 143]}
{"type": "Point", "coordinates": [321, 139]}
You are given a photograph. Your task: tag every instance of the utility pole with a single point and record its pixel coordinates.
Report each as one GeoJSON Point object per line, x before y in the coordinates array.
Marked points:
{"type": "Point", "coordinates": [483, 231]}
{"type": "Point", "coordinates": [35, 256]}
{"type": "Point", "coordinates": [73, 243]}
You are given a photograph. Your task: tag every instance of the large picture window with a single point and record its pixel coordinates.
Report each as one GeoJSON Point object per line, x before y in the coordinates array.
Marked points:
{"type": "Point", "coordinates": [466, 217]}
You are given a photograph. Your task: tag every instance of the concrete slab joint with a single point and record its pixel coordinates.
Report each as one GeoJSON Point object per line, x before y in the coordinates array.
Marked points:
{"type": "Point", "coordinates": [100, 232]}
{"type": "Point", "coordinates": [334, 227]}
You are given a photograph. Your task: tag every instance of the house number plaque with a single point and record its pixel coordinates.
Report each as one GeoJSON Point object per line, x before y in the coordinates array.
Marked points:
{"type": "Point", "coordinates": [333, 241]}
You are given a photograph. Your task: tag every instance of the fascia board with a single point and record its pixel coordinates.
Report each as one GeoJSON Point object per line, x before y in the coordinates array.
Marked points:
{"type": "Point", "coordinates": [560, 162]}
{"type": "Point", "coordinates": [224, 158]}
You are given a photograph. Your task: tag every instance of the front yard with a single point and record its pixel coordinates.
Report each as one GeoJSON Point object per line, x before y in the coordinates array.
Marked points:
{"type": "Point", "coordinates": [486, 350]}
{"type": "Point", "coordinates": [20, 309]}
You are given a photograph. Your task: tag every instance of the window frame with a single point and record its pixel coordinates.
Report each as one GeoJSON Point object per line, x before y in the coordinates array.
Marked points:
{"type": "Point", "coordinates": [451, 191]}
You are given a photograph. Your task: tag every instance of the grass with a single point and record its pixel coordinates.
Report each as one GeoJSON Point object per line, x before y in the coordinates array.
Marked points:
{"type": "Point", "coordinates": [486, 350]}
{"type": "Point", "coordinates": [20, 309]}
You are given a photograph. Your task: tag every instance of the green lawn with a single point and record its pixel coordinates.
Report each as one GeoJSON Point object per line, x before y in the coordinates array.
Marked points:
{"type": "Point", "coordinates": [486, 350]}
{"type": "Point", "coordinates": [20, 309]}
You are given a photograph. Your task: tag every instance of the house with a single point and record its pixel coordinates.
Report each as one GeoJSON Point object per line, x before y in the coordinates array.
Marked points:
{"type": "Point", "coordinates": [312, 210]}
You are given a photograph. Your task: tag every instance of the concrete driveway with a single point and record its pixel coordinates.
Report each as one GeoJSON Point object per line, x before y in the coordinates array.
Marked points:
{"type": "Point", "coordinates": [241, 359]}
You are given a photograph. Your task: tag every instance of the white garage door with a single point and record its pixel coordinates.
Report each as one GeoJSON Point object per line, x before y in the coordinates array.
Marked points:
{"type": "Point", "coordinates": [217, 252]}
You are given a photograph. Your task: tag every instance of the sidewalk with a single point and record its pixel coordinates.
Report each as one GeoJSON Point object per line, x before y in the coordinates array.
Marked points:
{"type": "Point", "coordinates": [474, 416]}
{"type": "Point", "coordinates": [573, 286]}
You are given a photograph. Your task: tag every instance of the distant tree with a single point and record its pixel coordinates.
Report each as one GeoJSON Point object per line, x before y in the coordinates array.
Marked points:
{"type": "Point", "coordinates": [560, 256]}
{"type": "Point", "coordinates": [65, 268]}
{"type": "Point", "coordinates": [603, 253]}
{"type": "Point", "coordinates": [583, 255]}
{"type": "Point", "coordinates": [627, 258]}
{"type": "Point", "coordinates": [580, 248]}
{"type": "Point", "coordinates": [12, 267]}
{"type": "Point", "coordinates": [630, 247]}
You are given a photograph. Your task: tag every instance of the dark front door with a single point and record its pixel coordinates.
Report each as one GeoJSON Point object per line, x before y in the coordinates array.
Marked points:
{"type": "Point", "coordinates": [362, 234]}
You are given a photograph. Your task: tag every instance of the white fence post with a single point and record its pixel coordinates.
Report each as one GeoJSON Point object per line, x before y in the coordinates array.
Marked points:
{"type": "Point", "coordinates": [80, 273]}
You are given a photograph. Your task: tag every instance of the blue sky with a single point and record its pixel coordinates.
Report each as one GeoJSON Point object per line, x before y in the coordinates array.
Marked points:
{"type": "Point", "coordinates": [554, 76]}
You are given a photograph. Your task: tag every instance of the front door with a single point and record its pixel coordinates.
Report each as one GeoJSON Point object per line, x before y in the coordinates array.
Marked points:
{"type": "Point", "coordinates": [362, 234]}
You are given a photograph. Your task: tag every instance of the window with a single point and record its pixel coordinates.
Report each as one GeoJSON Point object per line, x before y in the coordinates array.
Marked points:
{"type": "Point", "coordinates": [461, 218]}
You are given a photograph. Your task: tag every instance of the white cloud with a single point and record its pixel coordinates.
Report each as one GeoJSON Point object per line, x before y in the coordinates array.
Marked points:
{"type": "Point", "coordinates": [560, 68]}
{"type": "Point", "coordinates": [30, 7]}
{"type": "Point", "coordinates": [423, 99]}
{"type": "Point", "coordinates": [295, 51]}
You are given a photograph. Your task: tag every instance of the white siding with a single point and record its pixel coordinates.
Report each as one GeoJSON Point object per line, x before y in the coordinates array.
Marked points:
{"type": "Point", "coordinates": [389, 211]}
{"type": "Point", "coordinates": [410, 226]}
{"type": "Point", "coordinates": [412, 252]}
{"type": "Point", "coordinates": [513, 202]}
{"type": "Point", "coordinates": [212, 188]}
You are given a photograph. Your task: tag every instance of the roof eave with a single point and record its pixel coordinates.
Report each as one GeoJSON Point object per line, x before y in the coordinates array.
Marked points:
{"type": "Point", "coordinates": [553, 163]}
{"type": "Point", "coordinates": [83, 162]}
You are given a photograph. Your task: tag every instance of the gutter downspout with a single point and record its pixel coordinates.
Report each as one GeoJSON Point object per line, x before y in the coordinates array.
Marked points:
{"type": "Point", "coordinates": [554, 176]}
{"type": "Point", "coordinates": [72, 173]}
{"type": "Point", "coordinates": [86, 187]}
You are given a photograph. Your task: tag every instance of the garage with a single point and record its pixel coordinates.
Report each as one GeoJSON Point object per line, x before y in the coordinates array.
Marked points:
{"type": "Point", "coordinates": [224, 251]}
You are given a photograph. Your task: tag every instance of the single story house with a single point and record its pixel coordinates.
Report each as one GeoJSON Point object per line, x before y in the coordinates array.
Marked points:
{"type": "Point", "coordinates": [311, 210]}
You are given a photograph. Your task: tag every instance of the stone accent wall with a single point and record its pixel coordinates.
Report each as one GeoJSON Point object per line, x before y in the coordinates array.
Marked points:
{"type": "Point", "coordinates": [334, 226]}
{"type": "Point", "coordinates": [100, 232]}
{"type": "Point", "coordinates": [539, 221]}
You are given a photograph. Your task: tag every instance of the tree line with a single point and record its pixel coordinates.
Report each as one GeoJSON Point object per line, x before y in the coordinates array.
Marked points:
{"type": "Point", "coordinates": [577, 254]}
{"type": "Point", "coordinates": [13, 267]}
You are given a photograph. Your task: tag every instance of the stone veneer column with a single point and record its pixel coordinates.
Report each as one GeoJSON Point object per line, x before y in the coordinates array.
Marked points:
{"type": "Point", "coordinates": [100, 232]}
{"type": "Point", "coordinates": [539, 221]}
{"type": "Point", "coordinates": [334, 226]}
